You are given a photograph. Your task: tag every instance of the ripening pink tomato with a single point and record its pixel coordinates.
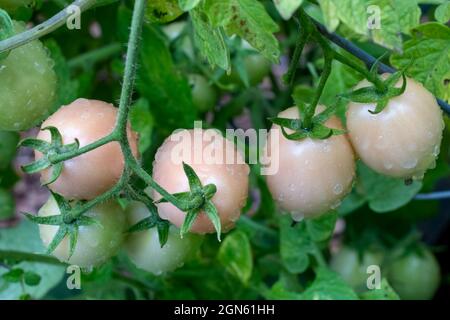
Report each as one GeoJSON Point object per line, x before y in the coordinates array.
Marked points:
{"type": "Point", "coordinates": [313, 175]}
{"type": "Point", "coordinates": [95, 172]}
{"type": "Point", "coordinates": [206, 152]}
{"type": "Point", "coordinates": [403, 140]}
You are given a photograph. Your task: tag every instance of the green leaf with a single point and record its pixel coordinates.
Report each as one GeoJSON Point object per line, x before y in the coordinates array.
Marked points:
{"type": "Point", "coordinates": [394, 16]}
{"type": "Point", "coordinates": [6, 29]}
{"type": "Point", "coordinates": [210, 40]}
{"type": "Point", "coordinates": [397, 17]}
{"type": "Point", "coordinates": [341, 79]}
{"type": "Point", "coordinates": [328, 285]}
{"type": "Point", "coordinates": [160, 82]}
{"type": "Point", "coordinates": [187, 5]}
{"type": "Point", "coordinates": [329, 11]}
{"type": "Point", "coordinates": [142, 122]}
{"type": "Point", "coordinates": [294, 245]}
{"type": "Point", "coordinates": [236, 256]}
{"type": "Point", "coordinates": [352, 13]}
{"type": "Point", "coordinates": [429, 49]}
{"type": "Point", "coordinates": [31, 278]}
{"type": "Point", "coordinates": [279, 292]}
{"type": "Point", "coordinates": [442, 13]}
{"type": "Point", "coordinates": [384, 293]}
{"type": "Point", "coordinates": [286, 8]}
{"type": "Point", "coordinates": [321, 228]}
{"type": "Point", "coordinates": [14, 275]}
{"type": "Point", "coordinates": [249, 20]}
{"type": "Point", "coordinates": [385, 193]}
{"type": "Point", "coordinates": [67, 90]}
{"type": "Point", "coordinates": [163, 11]}
{"type": "Point", "coordinates": [24, 237]}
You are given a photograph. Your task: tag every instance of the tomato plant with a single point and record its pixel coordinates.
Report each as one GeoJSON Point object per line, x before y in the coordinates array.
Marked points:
{"type": "Point", "coordinates": [232, 149]}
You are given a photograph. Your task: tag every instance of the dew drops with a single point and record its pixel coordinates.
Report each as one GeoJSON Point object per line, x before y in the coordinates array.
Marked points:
{"type": "Point", "coordinates": [337, 189]}
{"type": "Point", "coordinates": [280, 197]}
{"type": "Point", "coordinates": [436, 150]}
{"type": "Point", "coordinates": [297, 216]}
{"type": "Point", "coordinates": [388, 165]}
{"type": "Point", "coordinates": [410, 163]}
{"type": "Point", "coordinates": [335, 205]}
{"type": "Point", "coordinates": [292, 187]}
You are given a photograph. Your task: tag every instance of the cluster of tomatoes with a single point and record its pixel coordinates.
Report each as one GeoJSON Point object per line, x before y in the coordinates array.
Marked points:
{"type": "Point", "coordinates": [314, 175]}
{"type": "Point", "coordinates": [414, 273]}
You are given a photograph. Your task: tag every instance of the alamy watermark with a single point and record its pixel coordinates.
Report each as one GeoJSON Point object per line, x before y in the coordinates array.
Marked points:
{"type": "Point", "coordinates": [73, 21]}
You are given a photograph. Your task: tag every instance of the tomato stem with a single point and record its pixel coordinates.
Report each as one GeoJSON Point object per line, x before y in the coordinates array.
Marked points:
{"type": "Point", "coordinates": [46, 27]}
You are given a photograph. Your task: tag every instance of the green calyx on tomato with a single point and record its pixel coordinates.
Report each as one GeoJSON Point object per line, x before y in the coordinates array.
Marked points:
{"type": "Point", "coordinates": [88, 240]}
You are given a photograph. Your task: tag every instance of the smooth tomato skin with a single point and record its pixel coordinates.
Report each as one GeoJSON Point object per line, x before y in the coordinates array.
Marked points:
{"type": "Point", "coordinates": [415, 277]}
{"type": "Point", "coordinates": [95, 244]}
{"type": "Point", "coordinates": [204, 95]}
{"type": "Point", "coordinates": [93, 173]}
{"type": "Point", "coordinates": [353, 269]}
{"type": "Point", "coordinates": [231, 179]}
{"type": "Point", "coordinates": [403, 140]}
{"type": "Point", "coordinates": [313, 175]}
{"type": "Point", "coordinates": [28, 85]}
{"type": "Point", "coordinates": [144, 249]}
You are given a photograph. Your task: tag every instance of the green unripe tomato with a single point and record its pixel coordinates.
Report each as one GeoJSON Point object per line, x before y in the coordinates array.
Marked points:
{"type": "Point", "coordinates": [28, 85]}
{"type": "Point", "coordinates": [204, 94]}
{"type": "Point", "coordinates": [12, 5]}
{"type": "Point", "coordinates": [415, 276]}
{"type": "Point", "coordinates": [6, 204]}
{"type": "Point", "coordinates": [8, 147]}
{"type": "Point", "coordinates": [144, 250]}
{"type": "Point", "coordinates": [96, 243]}
{"type": "Point", "coordinates": [257, 68]}
{"type": "Point", "coordinates": [353, 268]}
